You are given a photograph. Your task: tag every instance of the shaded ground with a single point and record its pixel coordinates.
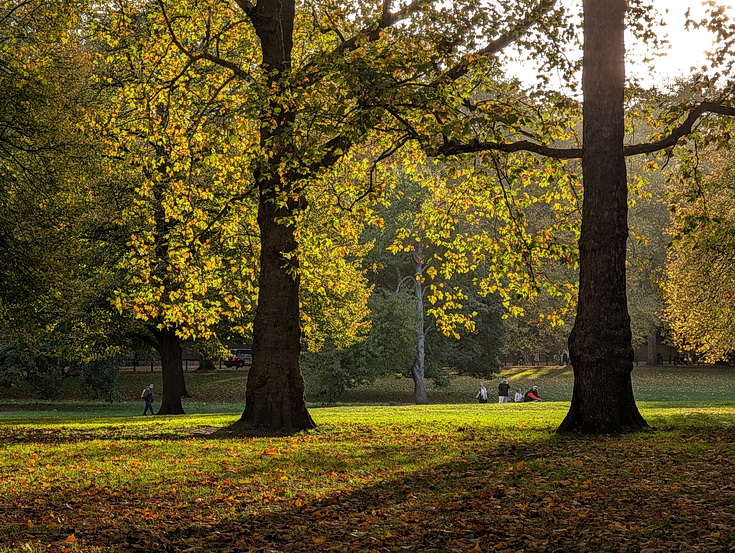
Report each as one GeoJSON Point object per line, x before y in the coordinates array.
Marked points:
{"type": "Point", "coordinates": [357, 487]}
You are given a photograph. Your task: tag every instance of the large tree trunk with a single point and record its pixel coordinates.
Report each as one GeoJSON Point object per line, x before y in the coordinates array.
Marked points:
{"type": "Point", "coordinates": [274, 397]}
{"type": "Point", "coordinates": [169, 348]}
{"type": "Point", "coordinates": [600, 343]}
{"type": "Point", "coordinates": [275, 388]}
{"type": "Point", "coordinates": [419, 364]}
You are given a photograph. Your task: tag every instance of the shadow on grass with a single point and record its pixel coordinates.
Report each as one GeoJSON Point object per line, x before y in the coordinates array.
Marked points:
{"type": "Point", "coordinates": [547, 495]}
{"type": "Point", "coordinates": [240, 429]}
{"type": "Point", "coordinates": [25, 433]}
{"type": "Point", "coordinates": [544, 495]}
{"type": "Point", "coordinates": [660, 416]}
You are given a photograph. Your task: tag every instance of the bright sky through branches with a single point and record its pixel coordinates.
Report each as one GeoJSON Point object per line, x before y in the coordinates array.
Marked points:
{"type": "Point", "coordinates": [685, 49]}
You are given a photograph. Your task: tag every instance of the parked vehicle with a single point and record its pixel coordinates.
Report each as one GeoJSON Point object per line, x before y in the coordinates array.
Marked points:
{"type": "Point", "coordinates": [239, 358]}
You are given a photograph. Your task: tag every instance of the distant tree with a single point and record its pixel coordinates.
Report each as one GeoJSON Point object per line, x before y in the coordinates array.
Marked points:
{"type": "Point", "coordinates": [649, 218]}
{"type": "Point", "coordinates": [421, 254]}
{"type": "Point", "coordinates": [50, 299]}
{"type": "Point", "coordinates": [387, 349]}
{"type": "Point", "coordinates": [187, 267]}
{"type": "Point", "coordinates": [700, 280]}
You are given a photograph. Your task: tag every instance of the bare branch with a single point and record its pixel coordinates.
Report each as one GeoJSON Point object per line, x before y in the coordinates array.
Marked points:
{"type": "Point", "coordinates": [452, 147]}
{"type": "Point", "coordinates": [501, 42]}
{"type": "Point", "coordinates": [371, 32]}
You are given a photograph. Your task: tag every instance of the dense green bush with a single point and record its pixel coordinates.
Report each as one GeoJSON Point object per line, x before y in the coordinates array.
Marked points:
{"type": "Point", "coordinates": [101, 378]}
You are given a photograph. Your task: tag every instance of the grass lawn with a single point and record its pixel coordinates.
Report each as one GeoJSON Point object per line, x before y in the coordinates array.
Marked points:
{"type": "Point", "coordinates": [444, 477]}
{"type": "Point", "coordinates": [224, 391]}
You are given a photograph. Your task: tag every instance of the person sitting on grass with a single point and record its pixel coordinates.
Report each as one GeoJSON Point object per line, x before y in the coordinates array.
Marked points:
{"type": "Point", "coordinates": [519, 396]}
{"type": "Point", "coordinates": [532, 394]}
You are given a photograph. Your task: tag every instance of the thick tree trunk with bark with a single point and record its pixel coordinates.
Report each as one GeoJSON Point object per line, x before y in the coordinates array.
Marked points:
{"type": "Point", "coordinates": [418, 369]}
{"type": "Point", "coordinates": [169, 348]}
{"type": "Point", "coordinates": [274, 396]}
{"type": "Point", "coordinates": [600, 343]}
{"type": "Point", "coordinates": [275, 388]}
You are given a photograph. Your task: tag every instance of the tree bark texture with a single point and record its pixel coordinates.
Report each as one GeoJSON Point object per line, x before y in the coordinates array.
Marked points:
{"type": "Point", "coordinates": [169, 348]}
{"type": "Point", "coordinates": [419, 365]}
{"type": "Point", "coordinates": [182, 376]}
{"type": "Point", "coordinates": [275, 388]}
{"type": "Point", "coordinates": [600, 343]}
{"type": "Point", "coordinates": [205, 364]}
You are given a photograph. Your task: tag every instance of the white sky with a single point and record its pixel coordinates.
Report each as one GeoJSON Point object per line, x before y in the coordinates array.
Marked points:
{"type": "Point", "coordinates": [686, 48]}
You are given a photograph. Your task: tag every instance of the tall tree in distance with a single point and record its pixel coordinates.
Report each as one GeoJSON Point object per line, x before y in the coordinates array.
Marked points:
{"type": "Point", "coordinates": [167, 137]}
{"type": "Point", "coordinates": [699, 283]}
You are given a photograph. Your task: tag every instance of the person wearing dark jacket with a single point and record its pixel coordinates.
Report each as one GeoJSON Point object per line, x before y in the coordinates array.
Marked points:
{"type": "Point", "coordinates": [503, 389]}
{"type": "Point", "coordinates": [147, 395]}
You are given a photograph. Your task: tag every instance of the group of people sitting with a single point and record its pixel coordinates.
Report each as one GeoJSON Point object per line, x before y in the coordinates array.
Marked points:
{"type": "Point", "coordinates": [504, 396]}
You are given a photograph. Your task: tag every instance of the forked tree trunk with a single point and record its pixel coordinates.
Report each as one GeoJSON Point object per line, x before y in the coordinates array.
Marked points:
{"type": "Point", "coordinates": [600, 343]}
{"type": "Point", "coordinates": [169, 348]}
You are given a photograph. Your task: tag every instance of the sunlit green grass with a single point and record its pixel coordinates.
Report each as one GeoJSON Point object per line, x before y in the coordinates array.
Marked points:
{"type": "Point", "coordinates": [223, 392]}
{"type": "Point", "coordinates": [151, 475]}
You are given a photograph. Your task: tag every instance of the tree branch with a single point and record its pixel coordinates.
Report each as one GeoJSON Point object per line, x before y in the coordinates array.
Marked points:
{"type": "Point", "coordinates": [312, 70]}
{"type": "Point", "coordinates": [452, 147]}
{"type": "Point", "coordinates": [497, 45]}
{"type": "Point", "coordinates": [682, 130]}
{"type": "Point", "coordinates": [246, 6]}
{"type": "Point", "coordinates": [236, 69]}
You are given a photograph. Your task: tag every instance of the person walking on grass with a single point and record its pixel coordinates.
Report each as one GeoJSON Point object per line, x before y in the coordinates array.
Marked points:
{"type": "Point", "coordinates": [482, 394]}
{"type": "Point", "coordinates": [147, 395]}
{"type": "Point", "coordinates": [503, 390]}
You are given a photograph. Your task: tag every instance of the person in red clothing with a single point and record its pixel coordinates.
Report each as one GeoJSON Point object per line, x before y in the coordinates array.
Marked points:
{"type": "Point", "coordinates": [532, 394]}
